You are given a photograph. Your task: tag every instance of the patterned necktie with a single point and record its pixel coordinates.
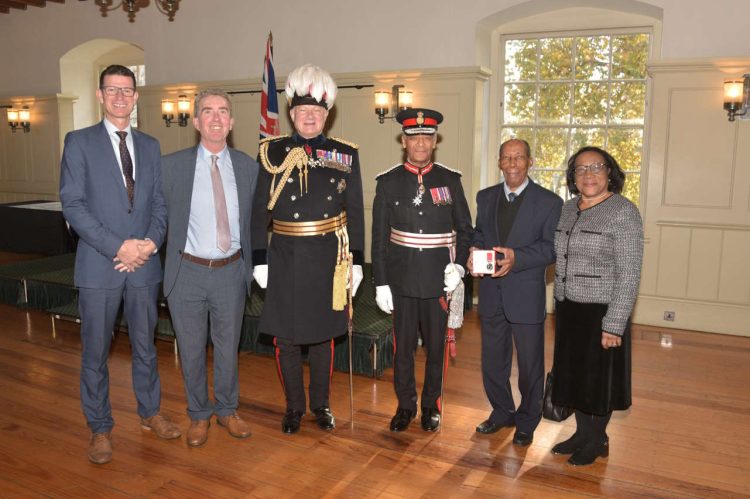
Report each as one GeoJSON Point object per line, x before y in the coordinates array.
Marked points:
{"type": "Point", "coordinates": [127, 166]}
{"type": "Point", "coordinates": [223, 237]}
{"type": "Point", "coordinates": [512, 197]}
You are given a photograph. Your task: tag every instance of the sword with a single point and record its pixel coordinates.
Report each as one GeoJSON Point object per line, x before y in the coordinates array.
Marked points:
{"type": "Point", "coordinates": [350, 330]}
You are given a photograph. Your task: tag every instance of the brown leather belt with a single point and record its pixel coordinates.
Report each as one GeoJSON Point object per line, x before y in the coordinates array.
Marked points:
{"type": "Point", "coordinates": [313, 228]}
{"type": "Point", "coordinates": [212, 264]}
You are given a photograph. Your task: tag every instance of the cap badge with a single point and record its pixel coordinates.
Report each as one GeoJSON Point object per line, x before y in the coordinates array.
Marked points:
{"type": "Point", "coordinates": [420, 118]}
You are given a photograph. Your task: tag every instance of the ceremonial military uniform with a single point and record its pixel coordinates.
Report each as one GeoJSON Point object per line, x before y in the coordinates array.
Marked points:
{"type": "Point", "coordinates": [298, 306]}
{"type": "Point", "coordinates": [405, 209]}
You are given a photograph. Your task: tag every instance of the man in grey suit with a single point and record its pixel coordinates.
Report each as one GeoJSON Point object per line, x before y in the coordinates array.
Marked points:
{"type": "Point", "coordinates": [517, 219]}
{"type": "Point", "coordinates": [209, 190]}
{"type": "Point", "coordinates": [110, 188]}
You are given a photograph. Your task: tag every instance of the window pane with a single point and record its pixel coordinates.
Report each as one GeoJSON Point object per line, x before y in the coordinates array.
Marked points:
{"type": "Point", "coordinates": [626, 146]}
{"type": "Point", "coordinates": [628, 103]}
{"type": "Point", "coordinates": [520, 100]}
{"type": "Point", "coordinates": [629, 54]}
{"type": "Point", "coordinates": [556, 60]}
{"type": "Point", "coordinates": [524, 133]}
{"type": "Point", "coordinates": [592, 58]}
{"type": "Point", "coordinates": [551, 147]}
{"type": "Point", "coordinates": [520, 60]}
{"type": "Point", "coordinates": [581, 137]}
{"type": "Point", "coordinates": [632, 188]}
{"type": "Point", "coordinates": [553, 180]}
{"type": "Point", "coordinates": [554, 103]}
{"type": "Point", "coordinates": [590, 103]}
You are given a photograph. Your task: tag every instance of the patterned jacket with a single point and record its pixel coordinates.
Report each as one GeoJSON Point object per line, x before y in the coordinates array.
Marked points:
{"type": "Point", "coordinates": [599, 254]}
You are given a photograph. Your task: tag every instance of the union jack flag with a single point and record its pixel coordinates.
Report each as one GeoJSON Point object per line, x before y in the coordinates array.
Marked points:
{"type": "Point", "coordinates": [269, 105]}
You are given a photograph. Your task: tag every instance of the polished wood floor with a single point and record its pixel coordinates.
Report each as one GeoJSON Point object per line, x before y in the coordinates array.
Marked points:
{"type": "Point", "coordinates": [687, 434]}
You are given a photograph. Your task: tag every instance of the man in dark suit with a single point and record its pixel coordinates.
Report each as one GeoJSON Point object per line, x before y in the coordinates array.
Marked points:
{"type": "Point", "coordinates": [110, 188]}
{"type": "Point", "coordinates": [209, 191]}
{"type": "Point", "coordinates": [517, 219]}
{"type": "Point", "coordinates": [421, 226]}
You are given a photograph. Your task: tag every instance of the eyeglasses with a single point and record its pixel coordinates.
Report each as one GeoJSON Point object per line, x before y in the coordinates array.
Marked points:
{"type": "Point", "coordinates": [125, 91]}
{"type": "Point", "coordinates": [510, 159]}
{"type": "Point", "coordinates": [593, 168]}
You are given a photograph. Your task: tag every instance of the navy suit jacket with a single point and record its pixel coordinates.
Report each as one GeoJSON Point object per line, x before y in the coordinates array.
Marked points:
{"type": "Point", "coordinates": [95, 203]}
{"type": "Point", "coordinates": [521, 293]}
{"type": "Point", "coordinates": [178, 170]}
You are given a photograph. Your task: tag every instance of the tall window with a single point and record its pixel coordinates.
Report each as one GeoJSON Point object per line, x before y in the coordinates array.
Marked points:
{"type": "Point", "coordinates": [565, 92]}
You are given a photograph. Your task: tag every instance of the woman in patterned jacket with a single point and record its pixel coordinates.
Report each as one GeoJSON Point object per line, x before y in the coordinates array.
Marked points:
{"type": "Point", "coordinates": [599, 247]}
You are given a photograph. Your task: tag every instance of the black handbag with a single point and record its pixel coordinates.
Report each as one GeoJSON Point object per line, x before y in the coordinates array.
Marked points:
{"type": "Point", "coordinates": [549, 410]}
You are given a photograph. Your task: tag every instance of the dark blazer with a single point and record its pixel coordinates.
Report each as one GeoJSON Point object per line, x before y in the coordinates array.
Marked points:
{"type": "Point", "coordinates": [95, 203]}
{"type": "Point", "coordinates": [417, 272]}
{"type": "Point", "coordinates": [521, 293]}
{"type": "Point", "coordinates": [178, 172]}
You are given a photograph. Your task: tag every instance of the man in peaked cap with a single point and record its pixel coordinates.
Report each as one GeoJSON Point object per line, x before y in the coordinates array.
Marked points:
{"type": "Point", "coordinates": [421, 226]}
{"type": "Point", "coordinates": [311, 190]}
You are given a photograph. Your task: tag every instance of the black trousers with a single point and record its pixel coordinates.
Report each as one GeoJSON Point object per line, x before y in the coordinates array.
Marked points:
{"type": "Point", "coordinates": [410, 316]}
{"type": "Point", "coordinates": [289, 364]}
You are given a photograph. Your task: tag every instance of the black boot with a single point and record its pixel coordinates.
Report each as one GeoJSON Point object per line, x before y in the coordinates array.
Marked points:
{"type": "Point", "coordinates": [571, 445]}
{"type": "Point", "coordinates": [589, 452]}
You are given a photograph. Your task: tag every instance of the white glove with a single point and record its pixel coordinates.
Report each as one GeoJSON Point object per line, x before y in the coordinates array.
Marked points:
{"type": "Point", "coordinates": [453, 274]}
{"type": "Point", "coordinates": [384, 298]}
{"type": "Point", "coordinates": [260, 274]}
{"type": "Point", "coordinates": [357, 276]}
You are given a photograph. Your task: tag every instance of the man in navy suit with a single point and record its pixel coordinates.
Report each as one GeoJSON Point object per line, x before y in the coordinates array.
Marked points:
{"type": "Point", "coordinates": [516, 218]}
{"type": "Point", "coordinates": [209, 193]}
{"type": "Point", "coordinates": [110, 188]}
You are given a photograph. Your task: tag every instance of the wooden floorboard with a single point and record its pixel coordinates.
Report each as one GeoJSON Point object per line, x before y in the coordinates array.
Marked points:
{"type": "Point", "coordinates": [687, 434]}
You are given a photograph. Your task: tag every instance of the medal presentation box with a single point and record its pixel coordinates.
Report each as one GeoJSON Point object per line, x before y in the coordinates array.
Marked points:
{"type": "Point", "coordinates": [483, 261]}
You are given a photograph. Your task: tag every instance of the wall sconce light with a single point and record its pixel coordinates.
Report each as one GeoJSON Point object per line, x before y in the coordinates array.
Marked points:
{"type": "Point", "coordinates": [737, 97]}
{"type": "Point", "coordinates": [167, 111]}
{"type": "Point", "coordinates": [392, 102]}
{"type": "Point", "coordinates": [19, 118]}
{"type": "Point", "coordinates": [183, 110]}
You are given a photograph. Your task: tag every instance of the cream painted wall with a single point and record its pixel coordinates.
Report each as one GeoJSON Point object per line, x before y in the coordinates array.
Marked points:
{"type": "Point", "coordinates": [696, 202]}
{"type": "Point", "coordinates": [224, 39]}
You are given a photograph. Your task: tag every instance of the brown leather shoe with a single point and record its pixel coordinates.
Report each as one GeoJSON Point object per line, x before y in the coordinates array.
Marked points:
{"type": "Point", "coordinates": [197, 434]}
{"type": "Point", "coordinates": [235, 425]}
{"type": "Point", "coordinates": [100, 448]}
{"type": "Point", "coordinates": [162, 426]}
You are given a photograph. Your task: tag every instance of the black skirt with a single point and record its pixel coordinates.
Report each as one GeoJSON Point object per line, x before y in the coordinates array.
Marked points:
{"type": "Point", "coordinates": [586, 376]}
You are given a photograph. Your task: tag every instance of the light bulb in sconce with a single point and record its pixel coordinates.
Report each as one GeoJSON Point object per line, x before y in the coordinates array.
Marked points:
{"type": "Point", "coordinates": [167, 111]}
{"type": "Point", "coordinates": [183, 110]}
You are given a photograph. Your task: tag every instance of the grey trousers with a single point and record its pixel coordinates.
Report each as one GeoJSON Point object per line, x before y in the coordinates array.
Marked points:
{"type": "Point", "coordinates": [209, 301]}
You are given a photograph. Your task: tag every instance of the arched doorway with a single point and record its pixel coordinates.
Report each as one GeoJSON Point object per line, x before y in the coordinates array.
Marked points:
{"type": "Point", "coordinates": [80, 68]}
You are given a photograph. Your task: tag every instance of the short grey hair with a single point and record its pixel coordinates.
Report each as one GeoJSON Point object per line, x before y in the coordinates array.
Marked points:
{"type": "Point", "coordinates": [525, 145]}
{"type": "Point", "coordinates": [207, 92]}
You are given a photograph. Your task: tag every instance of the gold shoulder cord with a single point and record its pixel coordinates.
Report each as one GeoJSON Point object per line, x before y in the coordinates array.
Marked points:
{"type": "Point", "coordinates": [350, 144]}
{"type": "Point", "coordinates": [296, 158]}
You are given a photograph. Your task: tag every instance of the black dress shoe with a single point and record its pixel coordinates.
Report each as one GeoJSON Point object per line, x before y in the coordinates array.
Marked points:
{"type": "Point", "coordinates": [487, 427]}
{"type": "Point", "coordinates": [522, 439]}
{"type": "Point", "coordinates": [290, 422]}
{"type": "Point", "coordinates": [324, 418]}
{"type": "Point", "coordinates": [589, 452]}
{"type": "Point", "coordinates": [401, 420]}
{"type": "Point", "coordinates": [430, 419]}
{"type": "Point", "coordinates": [570, 445]}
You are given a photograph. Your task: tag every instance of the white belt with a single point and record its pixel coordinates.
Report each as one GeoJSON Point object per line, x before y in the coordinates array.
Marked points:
{"type": "Point", "coordinates": [415, 240]}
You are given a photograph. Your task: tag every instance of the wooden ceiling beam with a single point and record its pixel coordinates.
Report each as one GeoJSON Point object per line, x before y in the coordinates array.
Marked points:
{"type": "Point", "coordinates": [35, 3]}
{"type": "Point", "coordinates": [13, 3]}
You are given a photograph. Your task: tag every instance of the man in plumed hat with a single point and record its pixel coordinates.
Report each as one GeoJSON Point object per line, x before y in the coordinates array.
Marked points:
{"type": "Point", "coordinates": [421, 227]}
{"type": "Point", "coordinates": [310, 188]}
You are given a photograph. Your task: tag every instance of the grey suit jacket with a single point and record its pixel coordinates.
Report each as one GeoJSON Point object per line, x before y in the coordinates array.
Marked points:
{"type": "Point", "coordinates": [178, 172]}
{"type": "Point", "coordinates": [520, 294]}
{"type": "Point", "coordinates": [95, 203]}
